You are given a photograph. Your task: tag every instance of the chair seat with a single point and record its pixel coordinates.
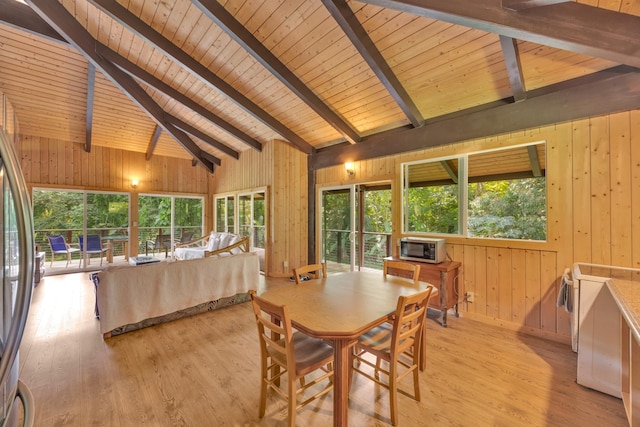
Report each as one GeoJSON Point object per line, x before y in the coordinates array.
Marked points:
{"type": "Point", "coordinates": [64, 251]}
{"type": "Point", "coordinates": [295, 354]}
{"type": "Point", "coordinates": [378, 339]}
{"type": "Point", "coordinates": [310, 353]}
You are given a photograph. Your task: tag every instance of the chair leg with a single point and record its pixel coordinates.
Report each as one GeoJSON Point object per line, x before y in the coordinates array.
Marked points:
{"type": "Point", "coordinates": [293, 401]}
{"type": "Point", "coordinates": [393, 392]}
{"type": "Point", "coordinates": [68, 259]}
{"type": "Point", "coordinates": [423, 348]}
{"type": "Point", "coordinates": [263, 390]}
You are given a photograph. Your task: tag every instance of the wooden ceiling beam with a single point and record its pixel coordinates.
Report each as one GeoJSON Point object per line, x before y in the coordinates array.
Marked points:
{"type": "Point", "coordinates": [153, 143]}
{"type": "Point", "coordinates": [514, 68]}
{"type": "Point", "coordinates": [349, 23]}
{"type": "Point", "coordinates": [219, 15]}
{"type": "Point", "coordinates": [22, 17]}
{"type": "Point", "coordinates": [66, 25]}
{"type": "Point", "coordinates": [570, 26]}
{"type": "Point", "coordinates": [91, 86]}
{"type": "Point", "coordinates": [605, 92]}
{"type": "Point", "coordinates": [159, 85]}
{"type": "Point", "coordinates": [140, 28]}
{"type": "Point", "coordinates": [534, 160]}
{"type": "Point", "coordinates": [528, 4]}
{"type": "Point", "coordinates": [451, 170]}
{"type": "Point", "coordinates": [203, 136]}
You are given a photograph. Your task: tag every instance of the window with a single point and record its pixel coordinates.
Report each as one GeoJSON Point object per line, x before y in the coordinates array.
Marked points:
{"type": "Point", "coordinates": [78, 213]}
{"type": "Point", "coordinates": [163, 220]}
{"type": "Point", "coordinates": [497, 194]}
{"type": "Point", "coordinates": [225, 214]}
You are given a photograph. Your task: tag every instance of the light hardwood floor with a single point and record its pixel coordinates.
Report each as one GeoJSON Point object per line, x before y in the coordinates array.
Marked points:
{"type": "Point", "coordinates": [203, 371]}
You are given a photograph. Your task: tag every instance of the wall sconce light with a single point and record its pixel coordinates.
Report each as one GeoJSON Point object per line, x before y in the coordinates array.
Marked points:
{"type": "Point", "coordinates": [134, 183]}
{"type": "Point", "coordinates": [351, 171]}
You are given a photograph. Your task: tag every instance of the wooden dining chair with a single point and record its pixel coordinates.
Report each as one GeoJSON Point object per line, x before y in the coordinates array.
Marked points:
{"type": "Point", "coordinates": [315, 271]}
{"type": "Point", "coordinates": [397, 344]}
{"type": "Point", "coordinates": [294, 353]}
{"type": "Point", "coordinates": [402, 269]}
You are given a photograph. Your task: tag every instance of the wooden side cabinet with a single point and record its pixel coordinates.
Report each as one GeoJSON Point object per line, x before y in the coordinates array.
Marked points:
{"type": "Point", "coordinates": [444, 276]}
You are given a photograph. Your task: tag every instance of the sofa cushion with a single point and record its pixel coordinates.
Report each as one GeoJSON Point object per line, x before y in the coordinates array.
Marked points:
{"type": "Point", "coordinates": [225, 240]}
{"type": "Point", "coordinates": [214, 242]}
{"type": "Point", "coordinates": [235, 239]}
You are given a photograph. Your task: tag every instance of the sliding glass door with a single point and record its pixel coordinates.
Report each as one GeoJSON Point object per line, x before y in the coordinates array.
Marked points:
{"type": "Point", "coordinates": [166, 220]}
{"type": "Point", "coordinates": [245, 214]}
{"type": "Point", "coordinates": [355, 226]}
{"type": "Point", "coordinates": [77, 214]}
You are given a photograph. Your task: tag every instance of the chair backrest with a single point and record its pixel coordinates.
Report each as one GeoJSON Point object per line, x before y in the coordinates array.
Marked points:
{"type": "Point", "coordinates": [407, 269]}
{"type": "Point", "coordinates": [314, 270]}
{"type": "Point", "coordinates": [274, 321]}
{"type": "Point", "coordinates": [187, 236]}
{"type": "Point", "coordinates": [57, 243]}
{"type": "Point", "coordinates": [162, 242]}
{"type": "Point", "coordinates": [411, 312]}
{"type": "Point", "coordinates": [94, 243]}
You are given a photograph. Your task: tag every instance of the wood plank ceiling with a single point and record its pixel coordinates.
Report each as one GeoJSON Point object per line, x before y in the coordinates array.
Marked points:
{"type": "Point", "coordinates": [341, 80]}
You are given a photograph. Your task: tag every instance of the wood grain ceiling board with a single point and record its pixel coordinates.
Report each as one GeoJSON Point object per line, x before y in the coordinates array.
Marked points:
{"type": "Point", "coordinates": [436, 52]}
{"type": "Point", "coordinates": [504, 161]}
{"type": "Point", "coordinates": [319, 42]}
{"type": "Point", "coordinates": [543, 66]}
{"type": "Point", "coordinates": [46, 83]}
{"type": "Point", "coordinates": [152, 60]}
{"type": "Point", "coordinates": [445, 68]}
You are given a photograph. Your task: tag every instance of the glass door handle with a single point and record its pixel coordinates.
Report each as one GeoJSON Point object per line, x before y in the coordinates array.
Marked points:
{"type": "Point", "coordinates": [24, 224]}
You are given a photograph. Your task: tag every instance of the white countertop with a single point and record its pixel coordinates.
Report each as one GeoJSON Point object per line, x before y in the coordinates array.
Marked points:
{"type": "Point", "coordinates": [624, 284]}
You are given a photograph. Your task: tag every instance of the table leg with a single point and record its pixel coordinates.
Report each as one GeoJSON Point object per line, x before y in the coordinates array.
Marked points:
{"type": "Point", "coordinates": [341, 349]}
{"type": "Point", "coordinates": [444, 296]}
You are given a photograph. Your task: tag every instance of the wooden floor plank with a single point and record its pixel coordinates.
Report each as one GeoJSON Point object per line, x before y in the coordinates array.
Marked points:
{"type": "Point", "coordinates": [204, 370]}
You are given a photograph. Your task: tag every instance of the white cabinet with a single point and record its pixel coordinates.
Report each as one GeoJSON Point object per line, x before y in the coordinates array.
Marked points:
{"type": "Point", "coordinates": [598, 337]}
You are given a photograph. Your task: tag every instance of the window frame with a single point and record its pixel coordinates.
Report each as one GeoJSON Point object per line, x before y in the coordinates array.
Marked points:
{"type": "Point", "coordinates": [463, 196]}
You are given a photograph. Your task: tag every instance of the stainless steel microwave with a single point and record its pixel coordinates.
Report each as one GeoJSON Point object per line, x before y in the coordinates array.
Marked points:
{"type": "Point", "coordinates": [422, 249]}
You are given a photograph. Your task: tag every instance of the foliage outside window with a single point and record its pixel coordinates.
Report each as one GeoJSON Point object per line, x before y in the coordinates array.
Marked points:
{"type": "Point", "coordinates": [377, 223]}
{"type": "Point", "coordinates": [225, 214]}
{"type": "Point", "coordinates": [371, 229]}
{"type": "Point", "coordinates": [159, 216]}
{"type": "Point", "coordinates": [62, 212]}
{"type": "Point", "coordinates": [492, 194]}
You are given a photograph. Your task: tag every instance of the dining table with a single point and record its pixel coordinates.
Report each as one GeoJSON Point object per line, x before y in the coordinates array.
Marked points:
{"type": "Point", "coordinates": [339, 308]}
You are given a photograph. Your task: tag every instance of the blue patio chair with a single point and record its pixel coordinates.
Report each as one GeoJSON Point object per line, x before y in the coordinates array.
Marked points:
{"type": "Point", "coordinates": [59, 245]}
{"type": "Point", "coordinates": [94, 246]}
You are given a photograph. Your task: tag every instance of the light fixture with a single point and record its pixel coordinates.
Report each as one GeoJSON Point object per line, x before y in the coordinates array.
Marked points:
{"type": "Point", "coordinates": [350, 168]}
{"type": "Point", "coordinates": [134, 183]}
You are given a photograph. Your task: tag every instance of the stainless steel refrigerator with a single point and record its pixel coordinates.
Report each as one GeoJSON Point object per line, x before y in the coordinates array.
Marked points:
{"type": "Point", "coordinates": [17, 262]}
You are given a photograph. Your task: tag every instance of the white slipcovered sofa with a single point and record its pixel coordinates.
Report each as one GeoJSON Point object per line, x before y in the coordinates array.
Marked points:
{"type": "Point", "coordinates": [134, 297]}
{"type": "Point", "coordinates": [216, 243]}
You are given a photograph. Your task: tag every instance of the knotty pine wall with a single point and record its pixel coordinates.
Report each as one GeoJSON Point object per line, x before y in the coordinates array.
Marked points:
{"type": "Point", "coordinates": [282, 169]}
{"type": "Point", "coordinates": [61, 164]}
{"type": "Point", "coordinates": [593, 181]}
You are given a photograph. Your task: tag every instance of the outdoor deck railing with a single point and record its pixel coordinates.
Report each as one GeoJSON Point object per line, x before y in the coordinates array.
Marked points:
{"type": "Point", "coordinates": [337, 248]}
{"type": "Point", "coordinates": [145, 239]}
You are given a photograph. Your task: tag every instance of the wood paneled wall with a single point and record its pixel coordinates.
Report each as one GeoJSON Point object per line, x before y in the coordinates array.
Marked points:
{"type": "Point", "coordinates": [50, 162]}
{"type": "Point", "coordinates": [283, 170]}
{"type": "Point", "coordinates": [593, 181]}
{"type": "Point", "coordinates": [62, 164]}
